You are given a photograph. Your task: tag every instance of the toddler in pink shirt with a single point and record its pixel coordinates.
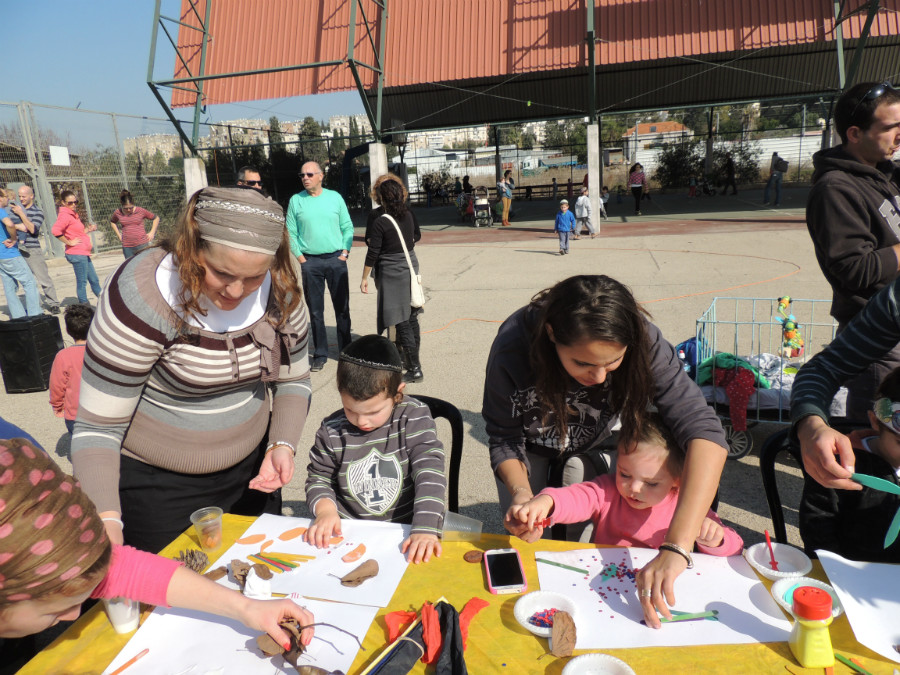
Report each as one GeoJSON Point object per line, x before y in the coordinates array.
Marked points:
{"type": "Point", "coordinates": [634, 506]}
{"type": "Point", "coordinates": [65, 375]}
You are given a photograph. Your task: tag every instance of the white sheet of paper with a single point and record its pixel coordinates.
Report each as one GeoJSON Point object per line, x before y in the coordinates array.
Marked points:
{"type": "Point", "coordinates": [609, 615]}
{"type": "Point", "coordinates": [182, 642]}
{"type": "Point", "coordinates": [871, 598]}
{"type": "Point", "coordinates": [312, 579]}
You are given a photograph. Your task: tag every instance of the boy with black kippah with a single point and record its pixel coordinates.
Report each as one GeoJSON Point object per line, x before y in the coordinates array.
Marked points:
{"type": "Point", "coordinates": [379, 457]}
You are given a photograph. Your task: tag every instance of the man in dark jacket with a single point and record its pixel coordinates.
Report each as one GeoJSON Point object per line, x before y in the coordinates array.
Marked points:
{"type": "Point", "coordinates": [853, 215]}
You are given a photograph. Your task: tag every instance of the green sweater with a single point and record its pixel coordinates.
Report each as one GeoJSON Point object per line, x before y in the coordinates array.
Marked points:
{"type": "Point", "coordinates": [320, 224]}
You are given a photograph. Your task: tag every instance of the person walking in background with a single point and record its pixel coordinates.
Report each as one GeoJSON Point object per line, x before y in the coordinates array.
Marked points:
{"type": "Point", "coordinates": [131, 219]}
{"type": "Point", "coordinates": [583, 215]}
{"type": "Point", "coordinates": [69, 229]}
{"type": "Point", "coordinates": [29, 219]}
{"type": "Point", "coordinates": [564, 226]}
{"type": "Point", "coordinates": [14, 270]}
{"type": "Point", "coordinates": [638, 183]}
{"type": "Point", "coordinates": [555, 190]}
{"type": "Point", "coordinates": [777, 167]}
{"type": "Point", "coordinates": [505, 192]}
{"type": "Point", "coordinates": [321, 236]}
{"type": "Point", "coordinates": [730, 175]}
{"type": "Point", "coordinates": [604, 200]}
{"type": "Point", "coordinates": [570, 189]}
{"type": "Point", "coordinates": [386, 262]}
{"type": "Point", "coordinates": [65, 375]}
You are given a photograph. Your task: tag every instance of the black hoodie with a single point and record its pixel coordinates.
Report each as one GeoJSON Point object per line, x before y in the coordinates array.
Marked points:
{"type": "Point", "coordinates": [852, 217]}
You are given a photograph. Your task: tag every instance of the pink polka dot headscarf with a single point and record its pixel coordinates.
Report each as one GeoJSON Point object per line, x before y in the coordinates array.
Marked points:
{"type": "Point", "coordinates": [49, 530]}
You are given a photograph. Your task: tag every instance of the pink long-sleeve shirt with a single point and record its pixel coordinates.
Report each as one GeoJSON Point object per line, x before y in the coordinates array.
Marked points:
{"type": "Point", "coordinates": [618, 524]}
{"type": "Point", "coordinates": [65, 381]}
{"type": "Point", "coordinates": [69, 224]}
{"type": "Point", "coordinates": [137, 575]}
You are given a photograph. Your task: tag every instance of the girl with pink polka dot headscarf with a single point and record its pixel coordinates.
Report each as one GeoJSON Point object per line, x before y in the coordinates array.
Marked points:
{"type": "Point", "coordinates": [54, 555]}
{"type": "Point", "coordinates": [51, 539]}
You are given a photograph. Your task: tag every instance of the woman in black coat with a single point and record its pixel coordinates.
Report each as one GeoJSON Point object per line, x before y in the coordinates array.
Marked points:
{"type": "Point", "coordinates": [386, 263]}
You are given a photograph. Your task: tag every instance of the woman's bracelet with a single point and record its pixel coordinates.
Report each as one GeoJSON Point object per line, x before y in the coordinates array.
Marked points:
{"type": "Point", "coordinates": [272, 446]}
{"type": "Point", "coordinates": [675, 548]}
{"type": "Point", "coordinates": [111, 519]}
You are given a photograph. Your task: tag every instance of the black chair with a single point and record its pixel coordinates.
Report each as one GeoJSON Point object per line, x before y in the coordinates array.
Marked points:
{"type": "Point", "coordinates": [441, 408]}
{"type": "Point", "coordinates": [774, 445]}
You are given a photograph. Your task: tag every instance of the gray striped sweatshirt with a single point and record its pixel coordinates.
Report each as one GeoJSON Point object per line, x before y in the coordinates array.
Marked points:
{"type": "Point", "coordinates": [394, 473]}
{"type": "Point", "coordinates": [192, 403]}
{"type": "Point", "coordinates": [870, 335]}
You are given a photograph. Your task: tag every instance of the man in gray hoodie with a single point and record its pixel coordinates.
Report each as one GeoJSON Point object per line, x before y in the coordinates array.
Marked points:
{"type": "Point", "coordinates": [853, 215]}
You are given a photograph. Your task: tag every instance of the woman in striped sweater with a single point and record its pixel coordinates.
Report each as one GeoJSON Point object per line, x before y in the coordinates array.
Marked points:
{"type": "Point", "coordinates": [195, 386]}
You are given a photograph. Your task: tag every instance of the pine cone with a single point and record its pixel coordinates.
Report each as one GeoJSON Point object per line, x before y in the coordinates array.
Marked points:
{"type": "Point", "coordinates": [194, 560]}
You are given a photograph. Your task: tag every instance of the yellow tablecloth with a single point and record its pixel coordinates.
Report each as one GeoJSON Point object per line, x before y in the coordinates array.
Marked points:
{"type": "Point", "coordinates": [497, 644]}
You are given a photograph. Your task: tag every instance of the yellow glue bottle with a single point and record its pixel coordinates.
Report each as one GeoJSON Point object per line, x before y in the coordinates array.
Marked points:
{"type": "Point", "coordinates": [810, 640]}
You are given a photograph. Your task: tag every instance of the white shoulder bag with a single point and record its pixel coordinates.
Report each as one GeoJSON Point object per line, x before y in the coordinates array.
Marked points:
{"type": "Point", "coordinates": [416, 292]}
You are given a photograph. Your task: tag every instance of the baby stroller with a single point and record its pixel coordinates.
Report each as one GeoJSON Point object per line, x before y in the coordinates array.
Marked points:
{"type": "Point", "coordinates": [483, 217]}
{"type": "Point", "coordinates": [464, 206]}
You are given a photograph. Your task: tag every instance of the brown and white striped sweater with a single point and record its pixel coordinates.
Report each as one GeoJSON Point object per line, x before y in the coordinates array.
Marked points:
{"type": "Point", "coordinates": [192, 403]}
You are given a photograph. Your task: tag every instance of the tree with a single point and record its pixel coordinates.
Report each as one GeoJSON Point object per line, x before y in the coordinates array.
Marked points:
{"type": "Point", "coordinates": [276, 138]}
{"type": "Point", "coordinates": [677, 162]}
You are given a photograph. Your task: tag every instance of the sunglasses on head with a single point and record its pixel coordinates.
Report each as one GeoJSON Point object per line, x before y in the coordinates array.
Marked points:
{"type": "Point", "coordinates": [888, 413]}
{"type": "Point", "coordinates": [875, 92]}
{"type": "Point", "coordinates": [308, 175]}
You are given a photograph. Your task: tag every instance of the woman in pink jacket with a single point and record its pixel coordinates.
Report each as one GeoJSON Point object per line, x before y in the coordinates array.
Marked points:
{"type": "Point", "coordinates": [69, 229]}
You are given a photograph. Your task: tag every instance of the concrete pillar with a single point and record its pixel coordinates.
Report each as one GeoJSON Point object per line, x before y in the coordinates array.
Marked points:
{"type": "Point", "coordinates": [594, 159]}
{"type": "Point", "coordinates": [194, 175]}
{"type": "Point", "coordinates": [378, 164]}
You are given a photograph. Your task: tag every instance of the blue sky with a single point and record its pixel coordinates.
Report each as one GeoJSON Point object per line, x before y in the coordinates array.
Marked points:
{"type": "Point", "coordinates": [95, 54]}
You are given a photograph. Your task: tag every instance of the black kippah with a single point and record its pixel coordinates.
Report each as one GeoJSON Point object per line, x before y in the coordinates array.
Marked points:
{"type": "Point", "coordinates": [373, 351]}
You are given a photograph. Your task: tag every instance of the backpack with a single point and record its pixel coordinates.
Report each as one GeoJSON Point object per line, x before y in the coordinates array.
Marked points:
{"type": "Point", "coordinates": [781, 165]}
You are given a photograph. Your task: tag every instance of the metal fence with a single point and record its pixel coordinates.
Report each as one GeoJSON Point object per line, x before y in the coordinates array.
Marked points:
{"type": "Point", "coordinates": [96, 155]}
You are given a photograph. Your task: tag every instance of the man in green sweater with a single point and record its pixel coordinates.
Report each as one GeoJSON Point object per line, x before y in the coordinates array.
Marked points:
{"type": "Point", "coordinates": [321, 235]}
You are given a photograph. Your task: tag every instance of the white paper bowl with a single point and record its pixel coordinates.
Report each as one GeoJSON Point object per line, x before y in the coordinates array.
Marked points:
{"type": "Point", "coordinates": [538, 601]}
{"type": "Point", "coordinates": [792, 562]}
{"type": "Point", "coordinates": [783, 592]}
{"type": "Point", "coordinates": [597, 664]}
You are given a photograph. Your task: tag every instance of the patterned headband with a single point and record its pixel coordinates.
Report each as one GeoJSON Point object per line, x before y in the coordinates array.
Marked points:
{"type": "Point", "coordinates": [240, 218]}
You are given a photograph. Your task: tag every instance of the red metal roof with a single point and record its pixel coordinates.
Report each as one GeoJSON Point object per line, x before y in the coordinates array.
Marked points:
{"type": "Point", "coordinates": [430, 41]}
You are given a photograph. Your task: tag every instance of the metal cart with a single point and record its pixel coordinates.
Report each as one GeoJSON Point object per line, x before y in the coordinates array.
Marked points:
{"type": "Point", "coordinates": [746, 328]}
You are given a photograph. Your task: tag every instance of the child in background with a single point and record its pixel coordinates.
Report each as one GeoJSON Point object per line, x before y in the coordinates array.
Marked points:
{"type": "Point", "coordinates": [564, 226]}
{"type": "Point", "coordinates": [379, 457]}
{"type": "Point", "coordinates": [55, 555]}
{"type": "Point", "coordinates": [583, 215]}
{"type": "Point", "coordinates": [65, 375]}
{"type": "Point", "coordinates": [853, 523]}
{"type": "Point", "coordinates": [604, 200]}
{"type": "Point", "coordinates": [634, 507]}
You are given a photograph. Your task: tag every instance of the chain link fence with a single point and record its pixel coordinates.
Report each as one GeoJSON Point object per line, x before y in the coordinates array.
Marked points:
{"type": "Point", "coordinates": [96, 155]}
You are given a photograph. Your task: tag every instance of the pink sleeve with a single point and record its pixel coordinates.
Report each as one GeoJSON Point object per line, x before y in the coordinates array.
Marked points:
{"type": "Point", "coordinates": [59, 227]}
{"type": "Point", "coordinates": [137, 575]}
{"type": "Point", "coordinates": [578, 502]}
{"type": "Point", "coordinates": [58, 381]}
{"type": "Point", "coordinates": [732, 544]}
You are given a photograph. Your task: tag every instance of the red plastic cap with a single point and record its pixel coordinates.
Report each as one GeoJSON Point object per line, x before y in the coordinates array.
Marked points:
{"type": "Point", "coordinates": [811, 603]}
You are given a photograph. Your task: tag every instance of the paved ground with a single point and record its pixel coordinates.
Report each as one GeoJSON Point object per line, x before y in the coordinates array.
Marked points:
{"type": "Point", "coordinates": [676, 258]}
